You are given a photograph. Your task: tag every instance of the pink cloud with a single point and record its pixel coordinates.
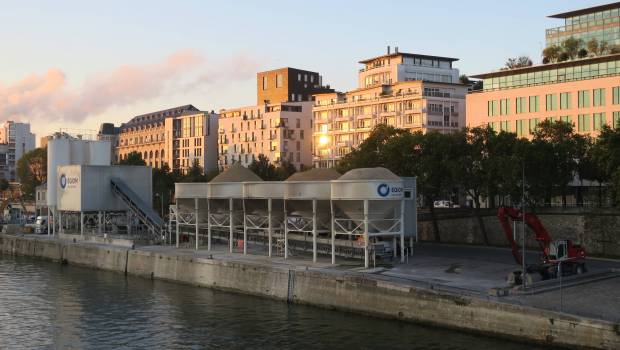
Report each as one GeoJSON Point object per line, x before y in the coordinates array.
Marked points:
{"type": "Point", "coordinates": [46, 97]}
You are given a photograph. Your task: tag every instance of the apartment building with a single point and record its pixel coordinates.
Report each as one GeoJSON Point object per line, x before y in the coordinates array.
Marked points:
{"type": "Point", "coordinates": [19, 141]}
{"type": "Point", "coordinates": [176, 136]}
{"type": "Point", "coordinates": [279, 126]}
{"type": "Point", "coordinates": [109, 132]}
{"type": "Point", "coordinates": [287, 84]}
{"type": "Point", "coordinates": [409, 91]}
{"type": "Point", "coordinates": [282, 132]}
{"type": "Point", "coordinates": [585, 92]}
{"type": "Point", "coordinates": [599, 22]}
{"type": "Point", "coordinates": [4, 153]}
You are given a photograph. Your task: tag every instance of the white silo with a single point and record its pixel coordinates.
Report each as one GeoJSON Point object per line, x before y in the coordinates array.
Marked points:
{"type": "Point", "coordinates": [64, 150]}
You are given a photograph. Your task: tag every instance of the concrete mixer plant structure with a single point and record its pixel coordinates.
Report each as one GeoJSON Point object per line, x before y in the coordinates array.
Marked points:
{"type": "Point", "coordinates": [368, 211]}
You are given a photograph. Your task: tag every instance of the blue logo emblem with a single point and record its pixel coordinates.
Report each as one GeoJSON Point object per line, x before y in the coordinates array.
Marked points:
{"type": "Point", "coordinates": [63, 181]}
{"type": "Point", "coordinates": [383, 190]}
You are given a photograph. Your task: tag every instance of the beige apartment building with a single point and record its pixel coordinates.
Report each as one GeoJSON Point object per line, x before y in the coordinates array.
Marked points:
{"type": "Point", "coordinates": [176, 136]}
{"type": "Point", "coordinates": [281, 132]}
{"type": "Point", "coordinates": [408, 91]}
{"type": "Point", "coordinates": [279, 126]}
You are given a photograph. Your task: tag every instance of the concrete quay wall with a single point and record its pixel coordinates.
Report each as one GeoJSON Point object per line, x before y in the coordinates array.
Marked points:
{"type": "Point", "coordinates": [335, 290]}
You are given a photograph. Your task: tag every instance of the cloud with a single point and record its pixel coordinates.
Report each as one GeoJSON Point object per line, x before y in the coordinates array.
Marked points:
{"type": "Point", "coordinates": [46, 97]}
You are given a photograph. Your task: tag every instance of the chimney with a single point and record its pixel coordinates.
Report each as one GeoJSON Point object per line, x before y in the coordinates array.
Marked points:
{"type": "Point", "coordinates": [388, 49]}
{"type": "Point", "coordinates": [396, 49]}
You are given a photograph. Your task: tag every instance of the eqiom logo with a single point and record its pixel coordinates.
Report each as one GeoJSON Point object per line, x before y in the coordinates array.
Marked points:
{"type": "Point", "coordinates": [68, 182]}
{"type": "Point", "coordinates": [383, 190]}
{"type": "Point", "coordinates": [63, 181]}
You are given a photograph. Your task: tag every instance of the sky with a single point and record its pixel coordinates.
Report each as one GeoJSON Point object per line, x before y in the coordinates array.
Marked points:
{"type": "Point", "coordinates": [76, 64]}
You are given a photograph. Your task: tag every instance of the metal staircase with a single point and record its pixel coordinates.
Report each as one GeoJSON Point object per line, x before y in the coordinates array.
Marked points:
{"type": "Point", "coordinates": [140, 209]}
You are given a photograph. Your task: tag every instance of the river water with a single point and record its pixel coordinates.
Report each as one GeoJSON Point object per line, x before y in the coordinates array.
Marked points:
{"type": "Point", "coordinates": [45, 305]}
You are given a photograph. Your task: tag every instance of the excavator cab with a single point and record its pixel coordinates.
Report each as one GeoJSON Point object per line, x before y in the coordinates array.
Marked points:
{"type": "Point", "coordinates": [558, 250]}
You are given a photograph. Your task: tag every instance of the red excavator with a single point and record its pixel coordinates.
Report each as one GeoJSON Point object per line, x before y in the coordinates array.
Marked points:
{"type": "Point", "coordinates": [563, 251]}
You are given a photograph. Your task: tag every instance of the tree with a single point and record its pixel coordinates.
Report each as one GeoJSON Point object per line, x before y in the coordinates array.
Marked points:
{"type": "Point", "coordinates": [598, 48]}
{"type": "Point", "coordinates": [554, 156]}
{"type": "Point", "coordinates": [551, 54]}
{"type": "Point", "coordinates": [4, 185]}
{"type": "Point", "coordinates": [608, 158]}
{"type": "Point", "coordinates": [474, 84]}
{"type": "Point", "coordinates": [263, 168]}
{"type": "Point", "coordinates": [571, 47]}
{"type": "Point", "coordinates": [284, 170]}
{"type": "Point", "coordinates": [195, 173]}
{"type": "Point", "coordinates": [592, 46]}
{"type": "Point", "coordinates": [368, 154]}
{"type": "Point", "coordinates": [518, 62]}
{"type": "Point", "coordinates": [133, 158]}
{"type": "Point", "coordinates": [583, 53]}
{"type": "Point", "coordinates": [32, 171]}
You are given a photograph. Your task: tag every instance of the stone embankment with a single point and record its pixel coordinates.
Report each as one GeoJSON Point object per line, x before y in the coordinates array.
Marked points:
{"type": "Point", "coordinates": [330, 288]}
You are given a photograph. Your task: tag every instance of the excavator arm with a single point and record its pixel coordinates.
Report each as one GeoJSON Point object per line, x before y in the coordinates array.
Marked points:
{"type": "Point", "coordinates": [504, 214]}
{"type": "Point", "coordinates": [531, 220]}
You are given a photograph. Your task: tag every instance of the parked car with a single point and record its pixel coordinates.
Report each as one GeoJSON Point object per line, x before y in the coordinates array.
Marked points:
{"type": "Point", "coordinates": [445, 204]}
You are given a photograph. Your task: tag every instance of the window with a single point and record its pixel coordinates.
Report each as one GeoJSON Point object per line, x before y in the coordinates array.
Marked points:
{"type": "Point", "coordinates": [583, 99]}
{"type": "Point", "coordinates": [616, 95]}
{"type": "Point", "coordinates": [598, 98]}
{"type": "Point", "coordinates": [505, 126]}
{"type": "Point", "coordinates": [552, 102]}
{"type": "Point", "coordinates": [566, 119]}
{"type": "Point", "coordinates": [565, 100]}
{"type": "Point", "coordinates": [534, 102]}
{"type": "Point", "coordinates": [533, 124]}
{"type": "Point", "coordinates": [504, 108]}
{"type": "Point", "coordinates": [583, 122]}
{"type": "Point", "coordinates": [520, 102]}
{"type": "Point", "coordinates": [492, 108]}
{"type": "Point", "coordinates": [616, 120]}
{"type": "Point", "coordinates": [520, 127]}
{"type": "Point", "coordinates": [279, 81]}
{"type": "Point", "coordinates": [265, 82]}
{"type": "Point", "coordinates": [599, 120]}
{"type": "Point", "coordinates": [298, 76]}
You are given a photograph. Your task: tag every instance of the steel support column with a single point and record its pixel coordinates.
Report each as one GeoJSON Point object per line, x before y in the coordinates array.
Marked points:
{"type": "Point", "coordinates": [314, 233]}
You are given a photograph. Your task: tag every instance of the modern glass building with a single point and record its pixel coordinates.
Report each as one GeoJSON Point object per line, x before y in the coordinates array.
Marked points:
{"type": "Point", "coordinates": [583, 92]}
{"type": "Point", "coordinates": [600, 22]}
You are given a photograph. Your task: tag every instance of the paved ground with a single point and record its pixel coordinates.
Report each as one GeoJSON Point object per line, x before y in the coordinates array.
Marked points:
{"type": "Point", "coordinates": [455, 268]}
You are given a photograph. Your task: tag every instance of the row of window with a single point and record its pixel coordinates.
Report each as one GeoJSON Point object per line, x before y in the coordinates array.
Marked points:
{"type": "Point", "coordinates": [583, 123]}
{"type": "Point", "coordinates": [550, 76]}
{"type": "Point", "coordinates": [502, 106]}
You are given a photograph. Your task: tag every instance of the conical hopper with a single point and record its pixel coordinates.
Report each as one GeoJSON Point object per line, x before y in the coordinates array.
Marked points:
{"type": "Point", "coordinates": [383, 190]}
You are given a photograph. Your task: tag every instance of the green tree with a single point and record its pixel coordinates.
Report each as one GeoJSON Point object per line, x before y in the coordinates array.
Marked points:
{"type": "Point", "coordinates": [368, 154]}
{"type": "Point", "coordinates": [133, 158]}
{"type": "Point", "coordinates": [518, 62]}
{"type": "Point", "coordinates": [4, 185]}
{"type": "Point", "coordinates": [607, 157]}
{"type": "Point", "coordinates": [263, 168]}
{"type": "Point", "coordinates": [32, 171]}
{"type": "Point", "coordinates": [195, 173]}
{"type": "Point", "coordinates": [571, 47]}
{"type": "Point", "coordinates": [554, 156]}
{"type": "Point", "coordinates": [551, 54]}
{"type": "Point", "coordinates": [284, 170]}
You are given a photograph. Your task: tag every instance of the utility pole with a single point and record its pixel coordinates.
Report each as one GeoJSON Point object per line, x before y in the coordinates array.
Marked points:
{"type": "Point", "coordinates": [523, 220]}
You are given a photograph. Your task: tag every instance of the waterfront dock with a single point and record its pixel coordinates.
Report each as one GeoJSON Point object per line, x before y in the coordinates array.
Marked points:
{"type": "Point", "coordinates": [445, 286]}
